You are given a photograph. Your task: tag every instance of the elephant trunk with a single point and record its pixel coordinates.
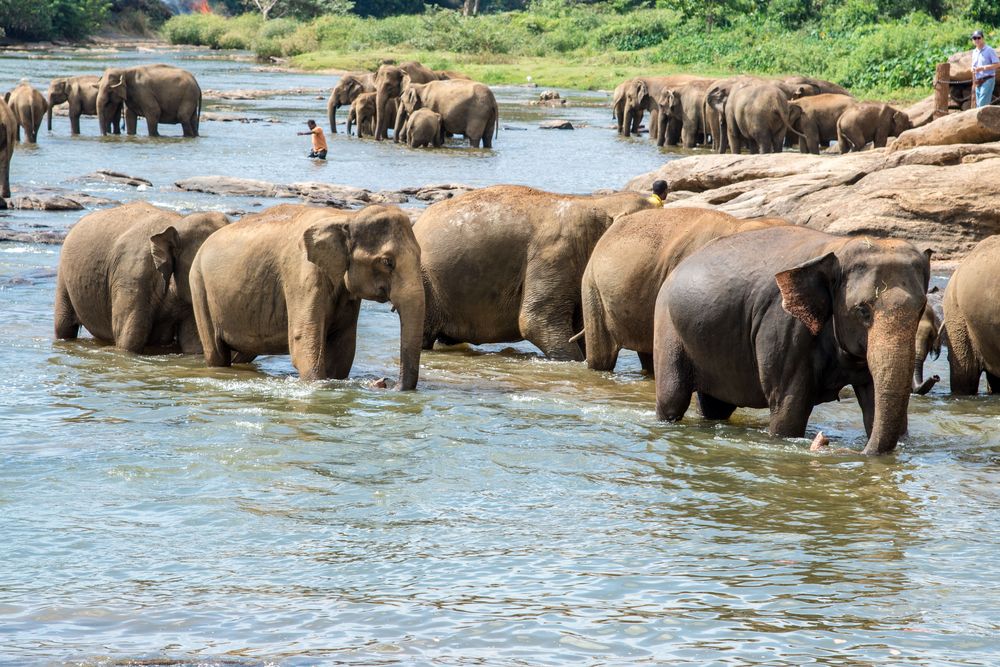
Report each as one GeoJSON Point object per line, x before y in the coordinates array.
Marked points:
{"type": "Point", "coordinates": [51, 104]}
{"type": "Point", "coordinates": [104, 118]}
{"type": "Point", "coordinates": [891, 358]}
{"type": "Point", "coordinates": [381, 115]}
{"type": "Point", "coordinates": [408, 298]}
{"type": "Point", "coordinates": [332, 107]}
{"type": "Point", "coordinates": [400, 120]}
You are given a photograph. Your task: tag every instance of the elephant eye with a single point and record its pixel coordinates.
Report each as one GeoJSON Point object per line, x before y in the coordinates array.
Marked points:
{"type": "Point", "coordinates": [388, 262]}
{"type": "Point", "coordinates": [864, 311]}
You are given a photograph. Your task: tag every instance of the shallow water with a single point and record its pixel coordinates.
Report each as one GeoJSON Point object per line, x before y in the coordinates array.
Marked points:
{"type": "Point", "coordinates": [513, 511]}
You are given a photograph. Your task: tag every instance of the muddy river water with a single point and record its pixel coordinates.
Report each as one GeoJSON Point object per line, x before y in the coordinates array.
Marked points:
{"type": "Point", "coordinates": [513, 511]}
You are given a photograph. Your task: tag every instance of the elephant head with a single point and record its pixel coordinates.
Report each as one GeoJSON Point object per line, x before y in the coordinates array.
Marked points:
{"type": "Point", "coordinates": [174, 248]}
{"type": "Point", "coordinates": [58, 93]}
{"type": "Point", "coordinates": [795, 117]}
{"type": "Point", "coordinates": [637, 99]}
{"type": "Point", "coordinates": [873, 292]}
{"type": "Point", "coordinates": [376, 256]}
{"type": "Point", "coordinates": [408, 102]}
{"type": "Point", "coordinates": [111, 95]}
{"type": "Point", "coordinates": [345, 92]}
{"type": "Point", "coordinates": [900, 123]}
{"type": "Point", "coordinates": [389, 82]}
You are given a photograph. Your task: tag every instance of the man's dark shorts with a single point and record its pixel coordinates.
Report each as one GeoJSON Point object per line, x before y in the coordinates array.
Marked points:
{"type": "Point", "coordinates": [318, 154]}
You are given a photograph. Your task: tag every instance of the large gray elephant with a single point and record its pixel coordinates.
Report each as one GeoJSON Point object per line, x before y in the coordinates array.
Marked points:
{"type": "Point", "coordinates": [389, 83]}
{"type": "Point", "coordinates": [972, 320]}
{"type": "Point", "coordinates": [641, 95]}
{"type": "Point", "coordinates": [81, 94]}
{"type": "Point", "coordinates": [716, 99]}
{"type": "Point", "coordinates": [123, 275]}
{"type": "Point", "coordinates": [503, 264]}
{"type": "Point", "coordinates": [629, 264]}
{"type": "Point", "coordinates": [618, 108]}
{"type": "Point", "coordinates": [685, 105]}
{"type": "Point", "coordinates": [870, 122]}
{"type": "Point", "coordinates": [290, 280]}
{"type": "Point", "coordinates": [757, 115]}
{"type": "Point", "coordinates": [346, 91]}
{"type": "Point", "coordinates": [160, 93]}
{"type": "Point", "coordinates": [784, 320]}
{"type": "Point", "coordinates": [466, 107]}
{"type": "Point", "coordinates": [8, 137]}
{"type": "Point", "coordinates": [815, 118]}
{"type": "Point", "coordinates": [29, 107]}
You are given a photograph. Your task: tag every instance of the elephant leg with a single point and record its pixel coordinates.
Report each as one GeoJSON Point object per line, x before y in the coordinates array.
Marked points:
{"type": "Point", "coordinates": [67, 324]}
{"type": "Point", "coordinates": [488, 132]}
{"type": "Point", "coordinates": [188, 128]}
{"type": "Point", "coordinates": [130, 326]}
{"type": "Point", "coordinates": [131, 122]}
{"type": "Point", "coordinates": [217, 352]}
{"type": "Point", "coordinates": [790, 415]}
{"type": "Point", "coordinates": [307, 336]}
{"type": "Point", "coordinates": [74, 123]}
{"type": "Point", "coordinates": [342, 344]}
{"type": "Point", "coordinates": [713, 408]}
{"type": "Point", "coordinates": [602, 349]}
{"type": "Point", "coordinates": [547, 305]}
{"type": "Point", "coordinates": [187, 336]}
{"type": "Point", "coordinates": [152, 124]}
{"type": "Point", "coordinates": [673, 370]}
{"type": "Point", "coordinates": [646, 362]}
{"type": "Point", "coordinates": [964, 368]}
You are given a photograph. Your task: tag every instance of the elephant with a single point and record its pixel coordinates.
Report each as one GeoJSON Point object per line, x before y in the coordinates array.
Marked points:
{"type": "Point", "coordinates": [641, 94]}
{"type": "Point", "coordinates": [784, 320]}
{"type": "Point", "coordinates": [716, 98]}
{"type": "Point", "coordinates": [758, 114]}
{"type": "Point", "coordinates": [8, 137]}
{"type": "Point", "coordinates": [869, 121]}
{"type": "Point", "coordinates": [160, 93]}
{"type": "Point", "coordinates": [928, 340]}
{"type": "Point", "coordinates": [627, 268]}
{"type": "Point", "coordinates": [972, 320]}
{"type": "Point", "coordinates": [466, 107]}
{"type": "Point", "coordinates": [123, 275]}
{"type": "Point", "coordinates": [424, 128]}
{"type": "Point", "coordinates": [618, 108]}
{"type": "Point", "coordinates": [346, 91]}
{"type": "Point", "coordinates": [684, 105]}
{"type": "Point", "coordinates": [363, 113]}
{"type": "Point", "coordinates": [389, 84]}
{"type": "Point", "coordinates": [504, 263]}
{"type": "Point", "coordinates": [81, 94]}
{"type": "Point", "coordinates": [815, 118]}
{"type": "Point", "coordinates": [805, 86]}
{"type": "Point", "coordinates": [29, 107]}
{"type": "Point", "coordinates": [290, 280]}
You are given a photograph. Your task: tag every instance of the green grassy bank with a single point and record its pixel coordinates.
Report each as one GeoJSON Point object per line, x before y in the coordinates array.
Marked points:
{"type": "Point", "coordinates": [586, 48]}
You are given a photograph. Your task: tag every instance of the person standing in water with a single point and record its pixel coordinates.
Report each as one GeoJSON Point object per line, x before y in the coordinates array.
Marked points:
{"type": "Point", "coordinates": [318, 140]}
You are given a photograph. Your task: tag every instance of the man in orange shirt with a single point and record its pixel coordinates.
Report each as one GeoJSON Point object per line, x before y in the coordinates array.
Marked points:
{"type": "Point", "coordinates": [318, 139]}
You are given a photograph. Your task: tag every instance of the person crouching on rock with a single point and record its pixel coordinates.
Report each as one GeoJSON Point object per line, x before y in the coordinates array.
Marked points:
{"type": "Point", "coordinates": [659, 194]}
{"type": "Point", "coordinates": [318, 139]}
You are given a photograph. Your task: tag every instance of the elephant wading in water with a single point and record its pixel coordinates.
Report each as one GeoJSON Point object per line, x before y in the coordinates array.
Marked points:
{"type": "Point", "coordinates": [123, 275]}
{"type": "Point", "coordinates": [466, 107]}
{"type": "Point", "coordinates": [869, 121]}
{"type": "Point", "coordinates": [504, 263]}
{"type": "Point", "coordinates": [29, 107]}
{"type": "Point", "coordinates": [641, 95]}
{"type": "Point", "coordinates": [928, 340]}
{"type": "Point", "coordinates": [685, 105]}
{"type": "Point", "coordinates": [160, 93]}
{"type": "Point", "coordinates": [290, 280]}
{"type": "Point", "coordinates": [81, 94]}
{"type": "Point", "coordinates": [784, 319]}
{"type": "Point", "coordinates": [972, 320]}
{"type": "Point", "coordinates": [627, 268]}
{"type": "Point", "coordinates": [424, 128]}
{"type": "Point", "coordinates": [346, 91]}
{"type": "Point", "coordinates": [363, 114]}
{"type": "Point", "coordinates": [8, 137]}
{"type": "Point", "coordinates": [389, 83]}
{"type": "Point", "coordinates": [815, 118]}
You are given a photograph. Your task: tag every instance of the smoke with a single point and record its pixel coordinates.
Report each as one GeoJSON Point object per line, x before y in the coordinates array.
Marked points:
{"type": "Point", "coordinates": [188, 6]}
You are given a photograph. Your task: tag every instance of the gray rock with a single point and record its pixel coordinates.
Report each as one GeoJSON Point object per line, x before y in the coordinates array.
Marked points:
{"type": "Point", "coordinates": [555, 125]}
{"type": "Point", "coordinates": [108, 176]}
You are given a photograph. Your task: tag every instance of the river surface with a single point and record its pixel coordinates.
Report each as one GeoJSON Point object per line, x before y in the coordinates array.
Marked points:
{"type": "Point", "coordinates": [513, 511]}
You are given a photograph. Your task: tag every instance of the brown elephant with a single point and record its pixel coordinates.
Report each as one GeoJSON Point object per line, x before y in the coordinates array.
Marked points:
{"type": "Point", "coordinates": [716, 98]}
{"type": "Point", "coordinates": [869, 121]}
{"type": "Point", "coordinates": [928, 341]}
{"type": "Point", "coordinates": [8, 137]}
{"type": "Point", "coordinates": [807, 86]}
{"type": "Point", "coordinates": [815, 118]}
{"type": "Point", "coordinates": [123, 275]}
{"type": "Point", "coordinates": [346, 91]}
{"type": "Point", "coordinates": [684, 105]}
{"type": "Point", "coordinates": [627, 268]}
{"type": "Point", "coordinates": [80, 92]}
{"type": "Point", "coordinates": [641, 95]}
{"type": "Point", "coordinates": [756, 115]}
{"type": "Point", "coordinates": [424, 128]}
{"type": "Point", "coordinates": [503, 264]}
{"type": "Point", "coordinates": [29, 107]}
{"type": "Point", "coordinates": [290, 280]}
{"type": "Point", "coordinates": [466, 107]}
{"type": "Point", "coordinates": [389, 84]}
{"type": "Point", "coordinates": [362, 113]}
{"type": "Point", "coordinates": [972, 320]}
{"type": "Point", "coordinates": [160, 93]}
{"type": "Point", "coordinates": [618, 108]}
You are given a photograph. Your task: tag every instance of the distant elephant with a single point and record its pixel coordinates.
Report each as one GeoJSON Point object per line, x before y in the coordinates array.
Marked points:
{"type": "Point", "coordinates": [363, 114]}
{"type": "Point", "coordinates": [389, 83]}
{"type": "Point", "coordinates": [29, 107]}
{"type": "Point", "coordinates": [784, 319]}
{"type": "Point", "coordinates": [466, 107]}
{"type": "Point", "coordinates": [627, 268]}
{"type": "Point", "coordinates": [685, 105]}
{"type": "Point", "coordinates": [123, 275]}
{"type": "Point", "coordinates": [641, 94]}
{"type": "Point", "coordinates": [346, 91]}
{"type": "Point", "coordinates": [504, 263]}
{"type": "Point", "coordinates": [815, 118]}
{"type": "Point", "coordinates": [160, 93]}
{"type": "Point", "coordinates": [757, 114]}
{"type": "Point", "coordinates": [972, 320]}
{"type": "Point", "coordinates": [806, 86]}
{"type": "Point", "coordinates": [869, 121]}
{"type": "Point", "coordinates": [290, 280]}
{"type": "Point", "coordinates": [424, 128]}
{"type": "Point", "coordinates": [81, 94]}
{"type": "Point", "coordinates": [618, 109]}
{"type": "Point", "coordinates": [928, 340]}
{"type": "Point", "coordinates": [716, 98]}
{"type": "Point", "coordinates": [8, 137]}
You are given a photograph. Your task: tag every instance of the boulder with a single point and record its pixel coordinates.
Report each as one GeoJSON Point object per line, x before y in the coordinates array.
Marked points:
{"type": "Point", "coordinates": [556, 125]}
{"type": "Point", "coordinates": [230, 186]}
{"type": "Point", "coordinates": [108, 176]}
{"type": "Point", "coordinates": [975, 126]}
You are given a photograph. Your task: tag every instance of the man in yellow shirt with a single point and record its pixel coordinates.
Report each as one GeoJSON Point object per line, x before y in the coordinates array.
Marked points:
{"type": "Point", "coordinates": [659, 194]}
{"type": "Point", "coordinates": [318, 139]}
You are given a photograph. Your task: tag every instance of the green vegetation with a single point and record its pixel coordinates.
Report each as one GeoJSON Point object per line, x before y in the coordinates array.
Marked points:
{"type": "Point", "coordinates": [52, 19]}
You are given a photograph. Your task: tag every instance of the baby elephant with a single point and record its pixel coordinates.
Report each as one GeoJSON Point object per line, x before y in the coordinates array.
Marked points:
{"type": "Point", "coordinates": [123, 274]}
{"type": "Point", "coordinates": [424, 128]}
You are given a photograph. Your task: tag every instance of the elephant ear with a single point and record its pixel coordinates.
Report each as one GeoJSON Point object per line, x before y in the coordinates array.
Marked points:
{"type": "Point", "coordinates": [806, 291]}
{"type": "Point", "coordinates": [162, 247]}
{"type": "Point", "coordinates": [327, 246]}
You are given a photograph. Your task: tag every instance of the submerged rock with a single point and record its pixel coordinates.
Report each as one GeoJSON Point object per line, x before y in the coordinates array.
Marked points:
{"type": "Point", "coordinates": [108, 176]}
{"type": "Point", "coordinates": [555, 125]}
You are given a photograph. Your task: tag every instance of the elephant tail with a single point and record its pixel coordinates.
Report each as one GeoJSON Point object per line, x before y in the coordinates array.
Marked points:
{"type": "Point", "coordinates": [197, 115]}
{"type": "Point", "coordinates": [788, 126]}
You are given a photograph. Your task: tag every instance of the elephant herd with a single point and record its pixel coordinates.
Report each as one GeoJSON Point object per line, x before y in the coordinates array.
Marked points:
{"type": "Point", "coordinates": [740, 313]}
{"type": "Point", "coordinates": [421, 105]}
{"type": "Point", "coordinates": [763, 115]}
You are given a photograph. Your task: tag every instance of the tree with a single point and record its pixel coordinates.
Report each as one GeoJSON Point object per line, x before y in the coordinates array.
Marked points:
{"type": "Point", "coordinates": [470, 7]}
{"type": "Point", "coordinates": [264, 6]}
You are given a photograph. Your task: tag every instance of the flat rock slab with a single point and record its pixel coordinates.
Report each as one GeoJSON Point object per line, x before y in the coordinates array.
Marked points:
{"type": "Point", "coordinates": [250, 94]}
{"type": "Point", "coordinates": [52, 199]}
{"type": "Point", "coordinates": [210, 116]}
{"type": "Point", "coordinates": [107, 176]}
{"type": "Point", "coordinates": [555, 125]}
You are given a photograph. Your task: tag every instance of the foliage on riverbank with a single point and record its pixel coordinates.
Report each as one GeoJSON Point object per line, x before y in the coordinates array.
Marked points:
{"type": "Point", "coordinates": [560, 44]}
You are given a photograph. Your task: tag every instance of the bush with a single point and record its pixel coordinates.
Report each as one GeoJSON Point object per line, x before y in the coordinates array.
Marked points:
{"type": "Point", "coordinates": [52, 19]}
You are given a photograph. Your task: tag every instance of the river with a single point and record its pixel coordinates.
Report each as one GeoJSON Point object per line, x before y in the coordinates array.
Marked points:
{"type": "Point", "coordinates": [513, 511]}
